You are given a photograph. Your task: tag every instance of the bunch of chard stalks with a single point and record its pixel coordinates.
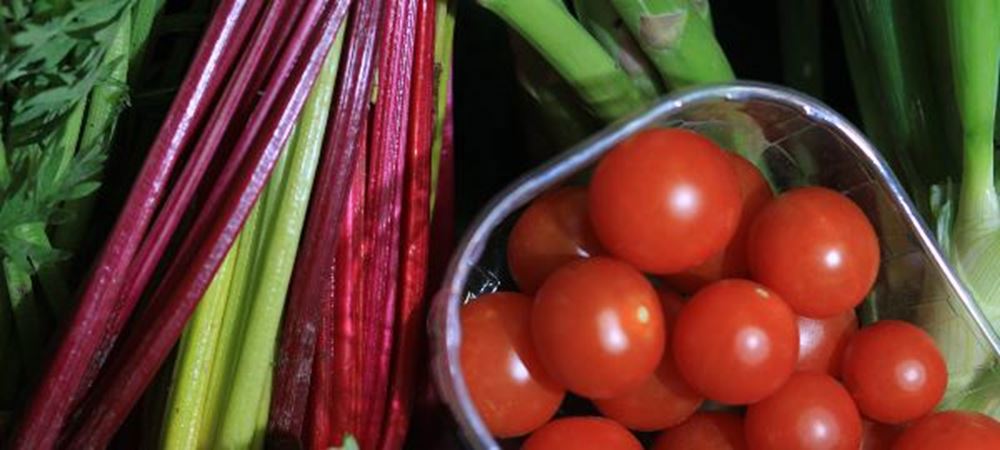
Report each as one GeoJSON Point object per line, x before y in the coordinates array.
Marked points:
{"type": "Point", "coordinates": [63, 73]}
{"type": "Point", "coordinates": [926, 76]}
{"type": "Point", "coordinates": [279, 230]}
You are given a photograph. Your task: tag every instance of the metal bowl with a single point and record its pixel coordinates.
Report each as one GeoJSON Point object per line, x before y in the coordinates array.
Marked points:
{"type": "Point", "coordinates": [795, 139]}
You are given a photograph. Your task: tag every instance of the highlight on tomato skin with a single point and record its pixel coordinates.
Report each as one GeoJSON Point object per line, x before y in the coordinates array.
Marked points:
{"type": "Point", "coordinates": [951, 430]}
{"type": "Point", "coordinates": [812, 410]}
{"type": "Point", "coordinates": [507, 383]}
{"type": "Point", "coordinates": [822, 342]}
{"type": "Point", "coordinates": [735, 341]}
{"type": "Point", "coordinates": [598, 327]}
{"type": "Point", "coordinates": [731, 262]}
{"type": "Point", "coordinates": [705, 431]}
{"type": "Point", "coordinates": [552, 231]}
{"type": "Point", "coordinates": [664, 200]}
{"type": "Point", "coordinates": [582, 433]}
{"type": "Point", "coordinates": [664, 399]}
{"type": "Point", "coordinates": [894, 371]}
{"type": "Point", "coordinates": [815, 248]}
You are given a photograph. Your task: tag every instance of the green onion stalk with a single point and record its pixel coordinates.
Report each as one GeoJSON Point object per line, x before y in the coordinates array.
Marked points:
{"type": "Point", "coordinates": [221, 383]}
{"type": "Point", "coordinates": [926, 75]}
{"type": "Point", "coordinates": [676, 49]}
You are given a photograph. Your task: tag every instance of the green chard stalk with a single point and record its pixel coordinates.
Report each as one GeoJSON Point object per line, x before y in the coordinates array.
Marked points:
{"type": "Point", "coordinates": [575, 54]}
{"type": "Point", "coordinates": [444, 31]}
{"type": "Point", "coordinates": [677, 37]}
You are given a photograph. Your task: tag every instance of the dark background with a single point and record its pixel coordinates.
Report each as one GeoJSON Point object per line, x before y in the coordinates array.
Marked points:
{"type": "Point", "coordinates": [491, 128]}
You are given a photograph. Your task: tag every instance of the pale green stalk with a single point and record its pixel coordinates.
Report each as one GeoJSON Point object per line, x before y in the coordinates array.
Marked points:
{"type": "Point", "coordinates": [263, 408]}
{"type": "Point", "coordinates": [444, 32]}
{"type": "Point", "coordinates": [574, 53]}
{"type": "Point", "coordinates": [677, 37]}
{"type": "Point", "coordinates": [289, 191]}
{"type": "Point", "coordinates": [195, 363]}
{"type": "Point", "coordinates": [603, 22]}
{"type": "Point", "coordinates": [230, 333]}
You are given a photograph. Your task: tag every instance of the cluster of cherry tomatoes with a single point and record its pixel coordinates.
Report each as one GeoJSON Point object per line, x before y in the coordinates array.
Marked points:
{"type": "Point", "coordinates": [768, 326]}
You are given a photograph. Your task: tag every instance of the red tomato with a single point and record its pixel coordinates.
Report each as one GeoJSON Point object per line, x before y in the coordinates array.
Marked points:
{"type": "Point", "coordinates": [894, 371]}
{"type": "Point", "coordinates": [506, 381]}
{"type": "Point", "coordinates": [822, 342]}
{"type": "Point", "coordinates": [664, 200]}
{"type": "Point", "coordinates": [810, 411]}
{"type": "Point", "coordinates": [554, 230]}
{"type": "Point", "coordinates": [878, 436]}
{"type": "Point", "coordinates": [951, 430]}
{"type": "Point", "coordinates": [732, 261]}
{"type": "Point", "coordinates": [582, 433]}
{"type": "Point", "coordinates": [735, 342]}
{"type": "Point", "coordinates": [664, 400]}
{"type": "Point", "coordinates": [598, 327]}
{"type": "Point", "coordinates": [705, 431]}
{"type": "Point", "coordinates": [816, 249]}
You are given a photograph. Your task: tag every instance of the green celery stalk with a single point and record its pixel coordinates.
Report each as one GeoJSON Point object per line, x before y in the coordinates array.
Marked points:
{"type": "Point", "coordinates": [602, 21]}
{"type": "Point", "coordinates": [195, 361]}
{"type": "Point", "coordinates": [444, 31]}
{"type": "Point", "coordinates": [677, 37]}
{"type": "Point", "coordinates": [574, 53]}
{"type": "Point", "coordinates": [230, 333]}
{"type": "Point", "coordinates": [286, 202]}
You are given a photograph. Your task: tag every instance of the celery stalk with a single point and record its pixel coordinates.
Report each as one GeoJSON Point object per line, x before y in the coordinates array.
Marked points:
{"type": "Point", "coordinates": [195, 363]}
{"type": "Point", "coordinates": [285, 204]}
{"type": "Point", "coordinates": [594, 74]}
{"type": "Point", "coordinates": [677, 36]}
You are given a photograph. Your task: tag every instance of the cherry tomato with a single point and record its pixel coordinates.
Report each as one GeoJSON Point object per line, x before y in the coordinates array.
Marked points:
{"type": "Point", "coordinates": [664, 200]}
{"type": "Point", "coordinates": [554, 230]}
{"type": "Point", "coordinates": [894, 371]}
{"type": "Point", "coordinates": [731, 262]}
{"type": "Point", "coordinates": [735, 342]}
{"type": "Point", "coordinates": [878, 436]}
{"type": "Point", "coordinates": [705, 431]}
{"type": "Point", "coordinates": [582, 433]}
{"type": "Point", "coordinates": [598, 326]}
{"type": "Point", "coordinates": [951, 430]}
{"type": "Point", "coordinates": [662, 401]}
{"type": "Point", "coordinates": [822, 342]}
{"type": "Point", "coordinates": [506, 381]}
{"type": "Point", "coordinates": [671, 302]}
{"type": "Point", "coordinates": [816, 249]}
{"type": "Point", "coordinates": [811, 410]}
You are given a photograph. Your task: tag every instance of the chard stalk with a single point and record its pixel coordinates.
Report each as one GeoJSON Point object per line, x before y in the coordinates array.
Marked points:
{"type": "Point", "coordinates": [594, 74]}
{"type": "Point", "coordinates": [677, 36]}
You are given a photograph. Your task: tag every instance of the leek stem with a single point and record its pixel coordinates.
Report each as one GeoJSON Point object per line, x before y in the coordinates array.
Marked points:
{"type": "Point", "coordinates": [677, 36]}
{"type": "Point", "coordinates": [602, 21]}
{"type": "Point", "coordinates": [573, 52]}
{"type": "Point", "coordinates": [974, 27]}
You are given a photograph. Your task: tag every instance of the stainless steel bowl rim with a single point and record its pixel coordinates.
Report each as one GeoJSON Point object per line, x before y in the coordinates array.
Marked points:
{"type": "Point", "coordinates": [446, 303]}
